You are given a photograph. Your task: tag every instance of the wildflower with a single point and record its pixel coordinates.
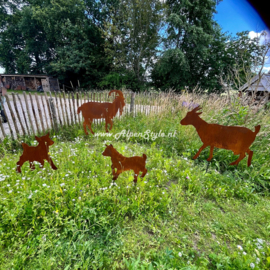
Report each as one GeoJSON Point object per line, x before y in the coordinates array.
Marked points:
{"type": "Point", "coordinates": [80, 198]}
{"type": "Point", "coordinates": [80, 190]}
{"type": "Point", "coordinates": [252, 265]}
{"type": "Point", "coordinates": [10, 191]}
{"type": "Point", "coordinates": [62, 184]}
{"type": "Point", "coordinates": [30, 196]}
{"type": "Point", "coordinates": [73, 200]}
{"type": "Point", "coordinates": [187, 177]}
{"type": "Point", "coordinates": [163, 192]}
{"type": "Point", "coordinates": [239, 247]}
{"type": "Point", "coordinates": [244, 253]}
{"type": "Point", "coordinates": [44, 185]}
{"type": "Point", "coordinates": [8, 185]}
{"type": "Point", "coordinates": [145, 182]}
{"type": "Point", "coordinates": [180, 254]}
{"type": "Point", "coordinates": [64, 190]}
{"type": "Point", "coordinates": [257, 260]}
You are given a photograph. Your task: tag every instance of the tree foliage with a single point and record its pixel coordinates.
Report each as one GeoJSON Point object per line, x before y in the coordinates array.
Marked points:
{"type": "Point", "coordinates": [132, 43]}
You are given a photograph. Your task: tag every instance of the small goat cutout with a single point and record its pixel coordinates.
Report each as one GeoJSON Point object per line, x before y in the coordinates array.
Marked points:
{"type": "Point", "coordinates": [237, 139]}
{"type": "Point", "coordinates": [36, 153]}
{"type": "Point", "coordinates": [121, 163]}
{"type": "Point", "coordinates": [97, 110]}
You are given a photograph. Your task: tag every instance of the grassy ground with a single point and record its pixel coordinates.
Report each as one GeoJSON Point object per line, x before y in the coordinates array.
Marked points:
{"type": "Point", "coordinates": [180, 216]}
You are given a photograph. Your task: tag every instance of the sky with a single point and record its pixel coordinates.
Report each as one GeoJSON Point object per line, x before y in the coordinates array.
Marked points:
{"type": "Point", "coordinates": [235, 16]}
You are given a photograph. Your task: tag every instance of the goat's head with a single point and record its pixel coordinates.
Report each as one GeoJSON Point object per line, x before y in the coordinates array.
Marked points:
{"type": "Point", "coordinates": [119, 98]}
{"type": "Point", "coordinates": [191, 117]}
{"type": "Point", "coordinates": [45, 139]}
{"type": "Point", "coordinates": [108, 150]}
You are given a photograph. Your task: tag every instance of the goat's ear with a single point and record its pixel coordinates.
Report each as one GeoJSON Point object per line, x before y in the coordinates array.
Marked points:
{"type": "Point", "coordinates": [199, 113]}
{"type": "Point", "coordinates": [48, 134]}
{"type": "Point", "coordinates": [106, 144]}
{"type": "Point", "coordinates": [111, 145]}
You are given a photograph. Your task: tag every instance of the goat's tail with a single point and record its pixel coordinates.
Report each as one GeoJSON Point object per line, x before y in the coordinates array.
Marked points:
{"type": "Point", "coordinates": [257, 129]}
{"type": "Point", "coordinates": [79, 109]}
{"type": "Point", "coordinates": [144, 157]}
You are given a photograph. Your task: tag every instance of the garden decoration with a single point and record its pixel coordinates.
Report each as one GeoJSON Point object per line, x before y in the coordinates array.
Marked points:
{"type": "Point", "coordinates": [237, 139]}
{"type": "Point", "coordinates": [121, 163]}
{"type": "Point", "coordinates": [36, 153]}
{"type": "Point", "coordinates": [97, 110]}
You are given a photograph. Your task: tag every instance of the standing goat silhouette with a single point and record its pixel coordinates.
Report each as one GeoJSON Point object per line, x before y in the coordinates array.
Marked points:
{"type": "Point", "coordinates": [237, 139]}
{"type": "Point", "coordinates": [121, 163]}
{"type": "Point", "coordinates": [36, 153]}
{"type": "Point", "coordinates": [97, 110]}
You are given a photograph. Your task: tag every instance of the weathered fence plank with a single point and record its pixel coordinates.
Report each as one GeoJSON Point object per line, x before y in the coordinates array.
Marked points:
{"type": "Point", "coordinates": [34, 112]}
{"type": "Point", "coordinates": [24, 115]}
{"type": "Point", "coordinates": [12, 116]}
{"type": "Point", "coordinates": [50, 111]}
{"type": "Point", "coordinates": [40, 113]}
{"type": "Point", "coordinates": [17, 113]}
{"type": "Point", "coordinates": [44, 110]}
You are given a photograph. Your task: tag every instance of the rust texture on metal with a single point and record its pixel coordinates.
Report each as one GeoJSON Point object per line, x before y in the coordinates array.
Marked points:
{"type": "Point", "coordinates": [234, 138]}
{"type": "Point", "coordinates": [98, 110]}
{"type": "Point", "coordinates": [121, 163]}
{"type": "Point", "coordinates": [36, 153]}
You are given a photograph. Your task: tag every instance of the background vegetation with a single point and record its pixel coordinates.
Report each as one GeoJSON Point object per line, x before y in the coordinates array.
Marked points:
{"type": "Point", "coordinates": [133, 43]}
{"type": "Point", "coordinates": [182, 215]}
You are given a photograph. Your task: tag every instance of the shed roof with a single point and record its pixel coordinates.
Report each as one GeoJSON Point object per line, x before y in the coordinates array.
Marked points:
{"type": "Point", "coordinates": [26, 75]}
{"type": "Point", "coordinates": [263, 85]}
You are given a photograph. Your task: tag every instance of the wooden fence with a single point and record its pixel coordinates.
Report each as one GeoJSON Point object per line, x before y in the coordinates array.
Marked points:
{"type": "Point", "coordinates": [30, 113]}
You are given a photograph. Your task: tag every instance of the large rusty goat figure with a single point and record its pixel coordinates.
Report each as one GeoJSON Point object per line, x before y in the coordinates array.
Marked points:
{"type": "Point", "coordinates": [97, 110]}
{"type": "Point", "coordinates": [36, 153]}
{"type": "Point", "coordinates": [121, 163]}
{"type": "Point", "coordinates": [234, 138]}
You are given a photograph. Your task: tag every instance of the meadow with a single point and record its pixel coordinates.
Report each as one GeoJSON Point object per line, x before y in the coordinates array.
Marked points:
{"type": "Point", "coordinates": [184, 214]}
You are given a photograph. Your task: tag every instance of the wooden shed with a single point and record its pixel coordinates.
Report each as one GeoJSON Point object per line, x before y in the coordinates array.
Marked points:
{"type": "Point", "coordinates": [30, 82]}
{"type": "Point", "coordinates": [260, 85]}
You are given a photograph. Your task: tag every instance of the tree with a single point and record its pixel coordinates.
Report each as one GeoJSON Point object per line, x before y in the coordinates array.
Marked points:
{"type": "Point", "coordinates": [132, 37]}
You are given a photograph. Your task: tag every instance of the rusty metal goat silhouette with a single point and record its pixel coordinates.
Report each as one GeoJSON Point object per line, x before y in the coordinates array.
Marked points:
{"type": "Point", "coordinates": [121, 163]}
{"type": "Point", "coordinates": [36, 153]}
{"type": "Point", "coordinates": [97, 110]}
{"type": "Point", "coordinates": [237, 139]}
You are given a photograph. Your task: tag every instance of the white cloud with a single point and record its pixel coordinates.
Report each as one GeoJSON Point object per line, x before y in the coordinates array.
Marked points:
{"type": "Point", "coordinates": [263, 35]}
{"type": "Point", "coordinates": [266, 69]}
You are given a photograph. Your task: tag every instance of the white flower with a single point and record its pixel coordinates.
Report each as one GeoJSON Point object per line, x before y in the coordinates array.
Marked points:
{"type": "Point", "coordinates": [244, 253]}
{"type": "Point", "coordinates": [163, 192]}
{"type": "Point", "coordinates": [10, 191]}
{"type": "Point", "coordinates": [239, 247]}
{"type": "Point", "coordinates": [30, 196]}
{"type": "Point", "coordinates": [80, 198]}
{"type": "Point", "coordinates": [252, 265]}
{"type": "Point", "coordinates": [8, 185]}
{"type": "Point", "coordinates": [73, 200]}
{"type": "Point", "coordinates": [44, 185]}
{"type": "Point", "coordinates": [62, 184]}
{"type": "Point", "coordinates": [180, 254]}
{"type": "Point", "coordinates": [257, 260]}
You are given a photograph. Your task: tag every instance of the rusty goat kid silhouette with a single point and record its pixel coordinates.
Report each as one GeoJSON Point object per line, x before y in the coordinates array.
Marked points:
{"type": "Point", "coordinates": [36, 153]}
{"type": "Point", "coordinates": [237, 139]}
{"type": "Point", "coordinates": [97, 110]}
{"type": "Point", "coordinates": [121, 163]}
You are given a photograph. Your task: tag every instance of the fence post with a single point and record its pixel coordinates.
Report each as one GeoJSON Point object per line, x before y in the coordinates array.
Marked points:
{"type": "Point", "coordinates": [18, 114]}
{"type": "Point", "coordinates": [2, 128]}
{"type": "Point", "coordinates": [53, 110]}
{"type": "Point", "coordinates": [132, 102]}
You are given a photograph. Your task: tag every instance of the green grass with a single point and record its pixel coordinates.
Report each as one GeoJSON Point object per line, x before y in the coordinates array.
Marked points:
{"type": "Point", "coordinates": [179, 216]}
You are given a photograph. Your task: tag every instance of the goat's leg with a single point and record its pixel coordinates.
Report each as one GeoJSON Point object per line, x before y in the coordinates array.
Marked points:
{"type": "Point", "coordinates": [135, 177]}
{"type": "Point", "coordinates": [32, 165]}
{"type": "Point", "coordinates": [106, 124]}
{"type": "Point", "coordinates": [51, 163]}
{"type": "Point", "coordinates": [84, 127]}
{"type": "Point", "coordinates": [42, 163]}
{"type": "Point", "coordinates": [242, 155]}
{"type": "Point", "coordinates": [111, 124]}
{"type": "Point", "coordinates": [116, 174]}
{"type": "Point", "coordinates": [211, 153]}
{"type": "Point", "coordinates": [250, 154]}
{"type": "Point", "coordinates": [144, 173]}
{"type": "Point", "coordinates": [20, 163]}
{"type": "Point", "coordinates": [89, 124]}
{"type": "Point", "coordinates": [200, 150]}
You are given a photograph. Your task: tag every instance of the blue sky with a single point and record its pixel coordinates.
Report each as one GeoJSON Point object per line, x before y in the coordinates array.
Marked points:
{"type": "Point", "coordinates": [238, 15]}
{"type": "Point", "coordinates": [235, 16]}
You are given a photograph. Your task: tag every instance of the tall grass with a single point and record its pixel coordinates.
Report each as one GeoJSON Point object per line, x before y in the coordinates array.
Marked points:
{"type": "Point", "coordinates": [184, 214]}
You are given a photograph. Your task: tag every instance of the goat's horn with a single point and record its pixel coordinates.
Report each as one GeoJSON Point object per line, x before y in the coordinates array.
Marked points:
{"type": "Point", "coordinates": [117, 92]}
{"type": "Point", "coordinates": [197, 109]}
